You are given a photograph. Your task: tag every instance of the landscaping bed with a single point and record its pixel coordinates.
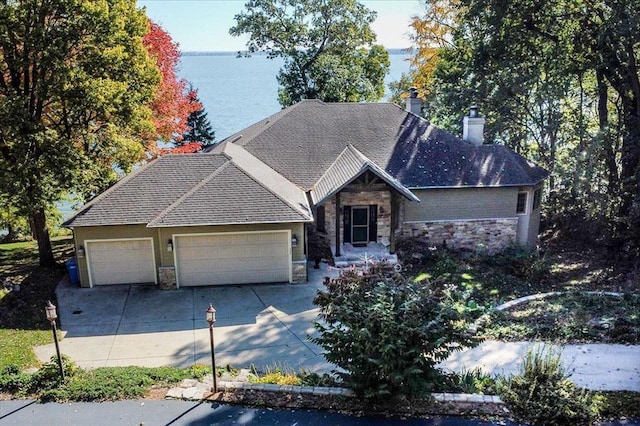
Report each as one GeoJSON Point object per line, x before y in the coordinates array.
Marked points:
{"type": "Point", "coordinates": [569, 318]}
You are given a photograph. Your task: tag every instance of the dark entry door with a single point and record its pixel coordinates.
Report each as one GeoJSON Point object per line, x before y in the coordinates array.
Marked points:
{"type": "Point", "coordinates": [359, 225]}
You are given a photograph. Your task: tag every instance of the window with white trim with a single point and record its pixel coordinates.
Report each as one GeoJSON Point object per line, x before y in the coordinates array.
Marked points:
{"type": "Point", "coordinates": [537, 198]}
{"type": "Point", "coordinates": [521, 205]}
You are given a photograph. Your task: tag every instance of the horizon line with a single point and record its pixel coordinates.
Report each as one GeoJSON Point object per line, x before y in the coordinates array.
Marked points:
{"type": "Point", "coordinates": [234, 52]}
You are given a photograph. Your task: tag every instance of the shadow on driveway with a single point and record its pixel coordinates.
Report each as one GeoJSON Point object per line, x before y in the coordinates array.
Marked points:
{"type": "Point", "coordinates": [264, 324]}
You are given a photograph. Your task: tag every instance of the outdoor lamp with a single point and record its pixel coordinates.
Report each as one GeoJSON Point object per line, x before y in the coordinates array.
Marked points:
{"type": "Point", "coordinates": [294, 241]}
{"type": "Point", "coordinates": [50, 310]}
{"type": "Point", "coordinates": [80, 252]}
{"type": "Point", "coordinates": [211, 319]}
{"type": "Point", "coordinates": [170, 245]}
{"type": "Point", "coordinates": [211, 314]}
{"type": "Point", "coordinates": [473, 111]}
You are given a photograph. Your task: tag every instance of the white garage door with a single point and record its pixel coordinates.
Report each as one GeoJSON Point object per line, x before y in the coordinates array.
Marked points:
{"type": "Point", "coordinates": [121, 262]}
{"type": "Point", "coordinates": [232, 258]}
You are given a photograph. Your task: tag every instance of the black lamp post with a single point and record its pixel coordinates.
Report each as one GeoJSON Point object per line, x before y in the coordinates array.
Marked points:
{"type": "Point", "coordinates": [211, 319]}
{"type": "Point", "coordinates": [50, 309]}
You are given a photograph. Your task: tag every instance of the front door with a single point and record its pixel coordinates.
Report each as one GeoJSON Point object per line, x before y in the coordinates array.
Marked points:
{"type": "Point", "coordinates": [359, 225]}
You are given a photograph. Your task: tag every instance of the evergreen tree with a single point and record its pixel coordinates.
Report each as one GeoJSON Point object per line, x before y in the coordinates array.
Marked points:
{"type": "Point", "coordinates": [199, 128]}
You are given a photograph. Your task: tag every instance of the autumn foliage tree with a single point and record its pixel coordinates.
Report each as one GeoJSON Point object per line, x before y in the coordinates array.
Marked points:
{"type": "Point", "coordinates": [174, 100]}
{"type": "Point", "coordinates": [75, 83]}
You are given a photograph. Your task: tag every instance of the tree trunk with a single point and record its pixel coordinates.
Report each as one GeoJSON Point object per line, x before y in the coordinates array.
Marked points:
{"type": "Point", "coordinates": [603, 119]}
{"type": "Point", "coordinates": [11, 234]}
{"type": "Point", "coordinates": [629, 226]}
{"type": "Point", "coordinates": [45, 252]}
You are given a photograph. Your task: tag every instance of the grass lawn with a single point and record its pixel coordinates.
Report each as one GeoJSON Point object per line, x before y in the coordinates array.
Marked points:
{"type": "Point", "coordinates": [22, 319]}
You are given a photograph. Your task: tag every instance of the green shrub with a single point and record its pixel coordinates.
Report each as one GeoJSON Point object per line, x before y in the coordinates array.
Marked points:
{"type": "Point", "coordinates": [468, 381]}
{"type": "Point", "coordinates": [12, 380]}
{"type": "Point", "coordinates": [314, 379]}
{"type": "Point", "coordinates": [279, 378]}
{"type": "Point", "coordinates": [387, 333]}
{"type": "Point", "coordinates": [542, 393]}
{"type": "Point", "coordinates": [520, 262]}
{"type": "Point", "coordinates": [48, 376]}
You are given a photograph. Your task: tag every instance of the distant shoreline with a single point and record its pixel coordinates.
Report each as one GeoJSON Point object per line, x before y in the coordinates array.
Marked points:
{"type": "Point", "coordinates": [404, 51]}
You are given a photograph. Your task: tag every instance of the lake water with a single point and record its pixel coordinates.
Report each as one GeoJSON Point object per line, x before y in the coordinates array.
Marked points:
{"type": "Point", "coordinates": [237, 92]}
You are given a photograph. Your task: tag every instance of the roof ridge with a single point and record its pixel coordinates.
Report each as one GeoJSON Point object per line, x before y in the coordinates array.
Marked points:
{"type": "Point", "coordinates": [335, 160]}
{"type": "Point", "coordinates": [193, 189]}
{"type": "Point", "coordinates": [249, 173]}
{"type": "Point", "coordinates": [369, 163]}
{"type": "Point", "coordinates": [287, 203]}
{"type": "Point", "coordinates": [515, 160]}
{"type": "Point", "coordinates": [112, 188]}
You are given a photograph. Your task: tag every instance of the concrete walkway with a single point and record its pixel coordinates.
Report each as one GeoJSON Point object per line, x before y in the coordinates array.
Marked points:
{"type": "Point", "coordinates": [264, 325]}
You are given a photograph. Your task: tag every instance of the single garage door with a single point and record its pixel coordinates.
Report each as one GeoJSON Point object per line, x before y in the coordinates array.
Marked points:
{"type": "Point", "coordinates": [232, 258]}
{"type": "Point", "coordinates": [121, 262]}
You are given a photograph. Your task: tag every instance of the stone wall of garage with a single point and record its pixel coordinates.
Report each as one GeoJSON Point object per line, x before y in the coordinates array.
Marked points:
{"type": "Point", "coordinates": [489, 235]}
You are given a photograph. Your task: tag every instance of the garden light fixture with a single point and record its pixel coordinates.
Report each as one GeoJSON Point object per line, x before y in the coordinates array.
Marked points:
{"type": "Point", "coordinates": [50, 310]}
{"type": "Point", "coordinates": [211, 319]}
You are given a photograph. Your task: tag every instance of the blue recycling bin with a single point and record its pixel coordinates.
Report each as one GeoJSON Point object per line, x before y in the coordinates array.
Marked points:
{"type": "Point", "coordinates": [72, 269]}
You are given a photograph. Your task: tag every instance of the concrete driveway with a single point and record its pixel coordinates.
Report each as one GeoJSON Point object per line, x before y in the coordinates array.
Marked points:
{"type": "Point", "coordinates": [264, 325]}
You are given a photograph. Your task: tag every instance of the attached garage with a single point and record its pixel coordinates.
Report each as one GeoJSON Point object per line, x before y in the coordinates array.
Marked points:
{"type": "Point", "coordinates": [233, 258]}
{"type": "Point", "coordinates": [121, 261]}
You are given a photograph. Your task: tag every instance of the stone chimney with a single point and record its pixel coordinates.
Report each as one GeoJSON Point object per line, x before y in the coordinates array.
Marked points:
{"type": "Point", "coordinates": [473, 127]}
{"type": "Point", "coordinates": [414, 103]}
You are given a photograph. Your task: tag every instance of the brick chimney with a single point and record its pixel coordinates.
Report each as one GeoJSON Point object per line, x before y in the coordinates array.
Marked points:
{"type": "Point", "coordinates": [414, 103]}
{"type": "Point", "coordinates": [473, 127]}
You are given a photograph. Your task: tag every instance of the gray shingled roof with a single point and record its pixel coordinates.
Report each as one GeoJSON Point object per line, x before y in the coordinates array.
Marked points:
{"type": "Point", "coordinates": [261, 174]}
{"type": "Point", "coordinates": [191, 189]}
{"type": "Point", "coordinates": [230, 196]}
{"type": "Point", "coordinates": [302, 141]}
{"type": "Point", "coordinates": [350, 164]}
{"type": "Point", "coordinates": [269, 178]}
{"type": "Point", "coordinates": [142, 195]}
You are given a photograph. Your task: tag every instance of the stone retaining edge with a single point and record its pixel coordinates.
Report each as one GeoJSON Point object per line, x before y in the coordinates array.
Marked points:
{"type": "Point", "coordinates": [320, 390]}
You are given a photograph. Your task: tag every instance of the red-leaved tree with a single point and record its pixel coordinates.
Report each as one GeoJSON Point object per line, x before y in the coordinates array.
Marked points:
{"type": "Point", "coordinates": [174, 101]}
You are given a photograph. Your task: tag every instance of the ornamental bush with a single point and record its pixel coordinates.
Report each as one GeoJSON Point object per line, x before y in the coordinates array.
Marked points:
{"type": "Point", "coordinates": [387, 333]}
{"type": "Point", "coordinates": [542, 393]}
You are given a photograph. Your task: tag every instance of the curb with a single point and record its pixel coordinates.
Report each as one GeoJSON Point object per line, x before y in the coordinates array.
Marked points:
{"type": "Point", "coordinates": [187, 391]}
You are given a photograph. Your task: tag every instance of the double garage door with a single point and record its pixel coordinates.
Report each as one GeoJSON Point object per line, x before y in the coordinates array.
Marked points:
{"type": "Point", "coordinates": [232, 258]}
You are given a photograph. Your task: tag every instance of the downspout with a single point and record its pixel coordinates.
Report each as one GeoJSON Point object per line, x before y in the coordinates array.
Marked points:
{"type": "Point", "coordinates": [338, 225]}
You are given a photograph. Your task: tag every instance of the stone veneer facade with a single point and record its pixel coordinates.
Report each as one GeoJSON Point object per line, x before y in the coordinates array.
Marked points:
{"type": "Point", "coordinates": [494, 234]}
{"type": "Point", "coordinates": [167, 278]}
{"type": "Point", "coordinates": [299, 271]}
{"type": "Point", "coordinates": [381, 198]}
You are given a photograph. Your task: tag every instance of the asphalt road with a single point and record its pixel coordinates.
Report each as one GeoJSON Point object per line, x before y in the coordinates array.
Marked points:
{"type": "Point", "coordinates": [182, 413]}
{"type": "Point", "coordinates": [185, 413]}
